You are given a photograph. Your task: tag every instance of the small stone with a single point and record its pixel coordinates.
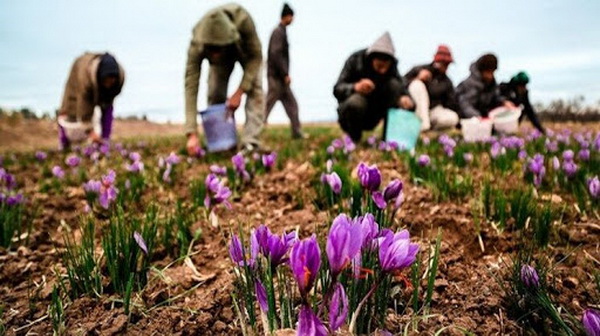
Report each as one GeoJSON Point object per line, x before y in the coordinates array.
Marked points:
{"type": "Point", "coordinates": [571, 282]}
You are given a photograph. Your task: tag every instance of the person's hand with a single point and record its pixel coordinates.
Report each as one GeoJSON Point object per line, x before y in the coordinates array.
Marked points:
{"type": "Point", "coordinates": [406, 102]}
{"type": "Point", "coordinates": [192, 144]}
{"type": "Point", "coordinates": [234, 101]}
{"type": "Point", "coordinates": [364, 86]}
{"type": "Point", "coordinates": [424, 75]}
{"type": "Point", "coordinates": [95, 138]}
{"type": "Point", "coordinates": [287, 80]}
{"type": "Point", "coordinates": [509, 104]}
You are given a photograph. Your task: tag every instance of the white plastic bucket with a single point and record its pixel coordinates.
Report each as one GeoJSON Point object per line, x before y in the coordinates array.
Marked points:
{"type": "Point", "coordinates": [76, 132]}
{"type": "Point", "coordinates": [219, 128]}
{"type": "Point", "coordinates": [506, 120]}
{"type": "Point", "coordinates": [476, 130]}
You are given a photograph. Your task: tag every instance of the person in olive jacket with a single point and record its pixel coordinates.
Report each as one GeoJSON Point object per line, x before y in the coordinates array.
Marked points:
{"type": "Point", "coordinates": [278, 65]}
{"type": "Point", "coordinates": [479, 94]}
{"type": "Point", "coordinates": [516, 91]}
{"type": "Point", "coordinates": [94, 81]}
{"type": "Point", "coordinates": [368, 86]}
{"type": "Point", "coordinates": [433, 92]}
{"type": "Point", "coordinates": [224, 36]}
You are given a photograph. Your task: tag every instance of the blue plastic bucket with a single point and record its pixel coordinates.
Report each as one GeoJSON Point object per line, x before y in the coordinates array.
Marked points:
{"type": "Point", "coordinates": [403, 127]}
{"type": "Point", "coordinates": [219, 130]}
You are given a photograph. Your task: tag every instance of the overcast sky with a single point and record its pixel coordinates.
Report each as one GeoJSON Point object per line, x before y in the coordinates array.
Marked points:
{"type": "Point", "coordinates": [557, 42]}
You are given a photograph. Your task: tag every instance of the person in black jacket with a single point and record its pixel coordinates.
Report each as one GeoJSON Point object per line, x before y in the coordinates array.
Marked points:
{"type": "Point", "coordinates": [433, 92]}
{"type": "Point", "coordinates": [516, 91]}
{"type": "Point", "coordinates": [278, 63]}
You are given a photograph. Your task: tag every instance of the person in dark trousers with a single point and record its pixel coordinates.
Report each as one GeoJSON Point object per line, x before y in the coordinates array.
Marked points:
{"type": "Point", "coordinates": [479, 94]}
{"type": "Point", "coordinates": [368, 86]}
{"type": "Point", "coordinates": [95, 80]}
{"type": "Point", "coordinates": [278, 65]}
{"type": "Point", "coordinates": [433, 92]}
{"type": "Point", "coordinates": [516, 91]}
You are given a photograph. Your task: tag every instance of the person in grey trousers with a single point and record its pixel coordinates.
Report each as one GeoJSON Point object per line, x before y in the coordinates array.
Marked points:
{"type": "Point", "coordinates": [278, 63]}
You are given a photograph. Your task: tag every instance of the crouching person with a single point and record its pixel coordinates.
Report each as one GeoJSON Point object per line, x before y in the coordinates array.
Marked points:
{"type": "Point", "coordinates": [516, 91]}
{"type": "Point", "coordinates": [368, 86]}
{"type": "Point", "coordinates": [479, 94]}
{"type": "Point", "coordinates": [95, 80]}
{"type": "Point", "coordinates": [433, 92]}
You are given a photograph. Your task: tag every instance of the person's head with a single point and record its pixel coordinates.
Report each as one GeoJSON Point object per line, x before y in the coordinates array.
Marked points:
{"type": "Point", "coordinates": [216, 53]}
{"type": "Point", "coordinates": [381, 63]}
{"type": "Point", "coordinates": [442, 58]}
{"type": "Point", "coordinates": [287, 15]}
{"type": "Point", "coordinates": [520, 81]}
{"type": "Point", "coordinates": [108, 72]}
{"type": "Point", "coordinates": [487, 65]}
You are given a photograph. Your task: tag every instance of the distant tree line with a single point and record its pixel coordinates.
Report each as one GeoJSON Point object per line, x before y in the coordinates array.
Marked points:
{"type": "Point", "coordinates": [574, 109]}
{"type": "Point", "coordinates": [29, 114]}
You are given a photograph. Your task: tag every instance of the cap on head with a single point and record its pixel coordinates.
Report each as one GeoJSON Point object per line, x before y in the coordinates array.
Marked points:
{"type": "Point", "coordinates": [217, 29]}
{"type": "Point", "coordinates": [108, 66]}
{"type": "Point", "coordinates": [443, 55]}
{"type": "Point", "coordinates": [487, 62]}
{"type": "Point", "coordinates": [383, 45]}
{"type": "Point", "coordinates": [287, 10]}
{"type": "Point", "coordinates": [520, 78]}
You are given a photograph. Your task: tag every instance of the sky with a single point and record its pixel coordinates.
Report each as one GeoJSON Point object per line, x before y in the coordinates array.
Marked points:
{"type": "Point", "coordinates": [556, 42]}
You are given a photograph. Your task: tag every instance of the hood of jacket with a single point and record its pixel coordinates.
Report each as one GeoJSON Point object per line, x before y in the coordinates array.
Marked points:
{"type": "Point", "coordinates": [383, 45]}
{"type": "Point", "coordinates": [216, 28]}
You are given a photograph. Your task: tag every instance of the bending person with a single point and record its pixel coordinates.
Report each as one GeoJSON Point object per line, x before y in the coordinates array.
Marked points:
{"type": "Point", "coordinates": [433, 92]}
{"type": "Point", "coordinates": [516, 91]}
{"type": "Point", "coordinates": [224, 36]}
{"type": "Point", "coordinates": [368, 86]}
{"type": "Point", "coordinates": [95, 80]}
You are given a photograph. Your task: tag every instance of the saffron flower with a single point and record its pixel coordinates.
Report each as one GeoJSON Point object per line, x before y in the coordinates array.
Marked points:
{"type": "Point", "coordinates": [570, 168]}
{"type": "Point", "coordinates": [274, 247]}
{"type": "Point", "coordinates": [396, 251]}
{"type": "Point", "coordinates": [108, 191]}
{"type": "Point", "coordinates": [334, 181]}
{"type": "Point", "coordinates": [379, 200]}
{"type": "Point", "coordinates": [7, 180]}
{"type": "Point", "coordinates": [73, 161]}
{"type": "Point", "coordinates": [369, 176]}
{"type": "Point", "coordinates": [468, 157]}
{"type": "Point", "coordinates": [218, 170]}
{"type": "Point", "coordinates": [591, 322]}
{"type": "Point", "coordinates": [529, 277]}
{"type": "Point", "coordinates": [261, 296]}
{"type": "Point", "coordinates": [216, 192]}
{"type": "Point", "coordinates": [172, 159]}
{"type": "Point", "coordinates": [58, 172]}
{"type": "Point", "coordinates": [393, 190]}
{"type": "Point", "coordinates": [568, 155]}
{"type": "Point", "coordinates": [305, 261]}
{"type": "Point", "coordinates": [338, 307]}
{"type": "Point", "coordinates": [369, 229]}
{"type": "Point", "coordinates": [140, 242]}
{"type": "Point", "coordinates": [309, 324]}
{"type": "Point", "coordinates": [239, 165]}
{"type": "Point", "coordinates": [343, 243]}
{"type": "Point", "coordinates": [423, 160]}
{"type": "Point", "coordinates": [135, 167]}
{"type": "Point", "coordinates": [237, 252]}
{"type": "Point", "coordinates": [268, 160]}
{"type": "Point", "coordinates": [584, 154]}
{"type": "Point", "coordinates": [41, 156]}
{"type": "Point", "coordinates": [594, 187]}
{"type": "Point", "coordinates": [555, 163]}
{"type": "Point", "coordinates": [135, 156]}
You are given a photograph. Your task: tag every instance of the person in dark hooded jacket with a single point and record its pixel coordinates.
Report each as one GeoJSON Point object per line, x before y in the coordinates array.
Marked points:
{"type": "Point", "coordinates": [95, 80]}
{"type": "Point", "coordinates": [368, 86]}
{"type": "Point", "coordinates": [479, 94]}
{"type": "Point", "coordinates": [516, 91]}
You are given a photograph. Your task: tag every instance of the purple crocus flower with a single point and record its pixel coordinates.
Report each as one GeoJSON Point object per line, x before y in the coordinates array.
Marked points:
{"type": "Point", "coordinates": [468, 157]}
{"type": "Point", "coordinates": [6, 179]}
{"type": "Point", "coordinates": [423, 160]}
{"type": "Point", "coordinates": [218, 170]}
{"type": "Point", "coordinates": [529, 277]}
{"type": "Point", "coordinates": [330, 150]}
{"type": "Point", "coordinates": [369, 176]}
{"type": "Point", "coordinates": [274, 247]}
{"type": "Point", "coordinates": [261, 296]}
{"type": "Point", "coordinates": [172, 159]}
{"type": "Point", "coordinates": [379, 200]}
{"type": "Point", "coordinates": [239, 163]}
{"type": "Point", "coordinates": [92, 186]}
{"type": "Point", "coordinates": [338, 307]}
{"type": "Point", "coordinates": [522, 154]}
{"type": "Point", "coordinates": [334, 181]}
{"type": "Point", "coordinates": [108, 192]}
{"type": "Point", "coordinates": [594, 187]}
{"type": "Point", "coordinates": [305, 261]}
{"type": "Point", "coordinates": [41, 156]}
{"type": "Point", "coordinates": [369, 229]}
{"type": "Point", "coordinates": [135, 167]}
{"type": "Point", "coordinates": [268, 160]}
{"type": "Point", "coordinates": [140, 242]}
{"type": "Point", "coordinates": [591, 322]}
{"type": "Point", "coordinates": [343, 243]}
{"type": "Point", "coordinates": [13, 200]}
{"type": "Point", "coordinates": [217, 192]}
{"type": "Point", "coordinates": [396, 251]}
{"type": "Point", "coordinates": [568, 155]}
{"type": "Point", "coordinates": [309, 324]}
{"type": "Point", "coordinates": [72, 161]}
{"type": "Point", "coordinates": [372, 140]}
{"type": "Point", "coordinates": [393, 190]}
{"type": "Point", "coordinates": [135, 156]}
{"type": "Point", "coordinates": [555, 163]}
{"type": "Point", "coordinates": [551, 146]}
{"type": "Point", "coordinates": [236, 251]}
{"type": "Point", "coordinates": [166, 176]}
{"type": "Point", "coordinates": [496, 150]}
{"type": "Point", "coordinates": [58, 172]}
{"type": "Point", "coordinates": [584, 154]}
{"type": "Point", "coordinates": [570, 168]}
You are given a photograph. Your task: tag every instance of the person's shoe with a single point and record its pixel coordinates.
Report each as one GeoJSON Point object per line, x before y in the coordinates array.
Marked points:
{"type": "Point", "coordinates": [250, 148]}
{"type": "Point", "coordinates": [300, 136]}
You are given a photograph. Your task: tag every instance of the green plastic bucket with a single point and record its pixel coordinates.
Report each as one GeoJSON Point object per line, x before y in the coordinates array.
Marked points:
{"type": "Point", "coordinates": [403, 127]}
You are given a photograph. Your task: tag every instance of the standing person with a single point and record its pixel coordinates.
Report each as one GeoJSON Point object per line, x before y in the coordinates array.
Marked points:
{"type": "Point", "coordinates": [224, 36]}
{"type": "Point", "coordinates": [433, 92]}
{"type": "Point", "coordinates": [278, 64]}
{"type": "Point", "coordinates": [368, 86]}
{"type": "Point", "coordinates": [95, 80]}
{"type": "Point", "coordinates": [516, 91]}
{"type": "Point", "coordinates": [479, 94]}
